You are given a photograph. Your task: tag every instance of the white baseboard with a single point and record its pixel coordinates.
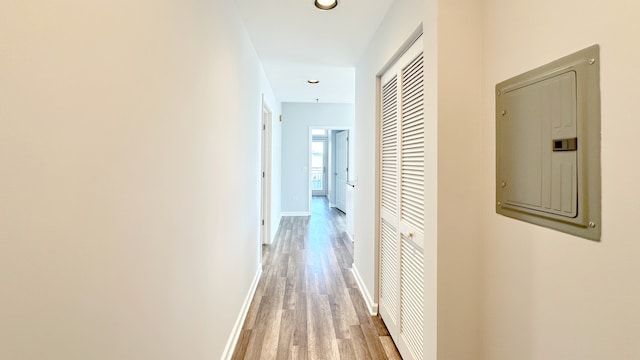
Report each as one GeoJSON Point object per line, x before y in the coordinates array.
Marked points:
{"type": "Point", "coordinates": [295, 213]}
{"type": "Point", "coordinates": [372, 306]}
{"type": "Point", "coordinates": [237, 328]}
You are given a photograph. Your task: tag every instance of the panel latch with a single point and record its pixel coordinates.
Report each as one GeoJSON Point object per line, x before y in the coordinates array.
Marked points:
{"type": "Point", "coordinates": [565, 144]}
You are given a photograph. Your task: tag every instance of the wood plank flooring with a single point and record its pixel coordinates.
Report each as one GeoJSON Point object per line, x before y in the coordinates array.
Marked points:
{"type": "Point", "coordinates": [307, 304]}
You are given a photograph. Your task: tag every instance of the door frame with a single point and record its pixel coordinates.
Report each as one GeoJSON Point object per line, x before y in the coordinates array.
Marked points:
{"type": "Point", "coordinates": [265, 176]}
{"type": "Point", "coordinates": [310, 139]}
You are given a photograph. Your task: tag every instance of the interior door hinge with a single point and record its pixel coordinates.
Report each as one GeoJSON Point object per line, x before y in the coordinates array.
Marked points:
{"type": "Point", "coordinates": [263, 174]}
{"type": "Point", "coordinates": [264, 127]}
{"type": "Point", "coordinates": [263, 222]}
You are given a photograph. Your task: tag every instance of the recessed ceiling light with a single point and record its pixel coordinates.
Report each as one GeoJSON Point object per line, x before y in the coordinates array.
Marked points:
{"type": "Point", "coordinates": [326, 4]}
{"type": "Point", "coordinates": [313, 81]}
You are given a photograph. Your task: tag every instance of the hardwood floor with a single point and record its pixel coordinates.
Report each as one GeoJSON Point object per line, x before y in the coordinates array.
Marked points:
{"type": "Point", "coordinates": [307, 304]}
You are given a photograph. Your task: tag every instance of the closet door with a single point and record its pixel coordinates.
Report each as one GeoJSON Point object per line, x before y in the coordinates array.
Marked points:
{"type": "Point", "coordinates": [401, 204]}
{"type": "Point", "coordinates": [389, 241]}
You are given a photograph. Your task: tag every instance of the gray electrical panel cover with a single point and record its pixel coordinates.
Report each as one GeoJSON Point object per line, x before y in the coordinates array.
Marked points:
{"type": "Point", "coordinates": [548, 145]}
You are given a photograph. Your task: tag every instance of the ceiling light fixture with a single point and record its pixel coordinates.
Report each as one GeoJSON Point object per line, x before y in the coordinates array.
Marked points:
{"type": "Point", "coordinates": [326, 4]}
{"type": "Point", "coordinates": [313, 81]}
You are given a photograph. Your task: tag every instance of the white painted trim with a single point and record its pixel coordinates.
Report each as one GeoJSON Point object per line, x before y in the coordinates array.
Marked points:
{"type": "Point", "coordinates": [237, 328]}
{"type": "Point", "coordinates": [295, 213]}
{"type": "Point", "coordinates": [368, 299]}
{"type": "Point", "coordinates": [349, 236]}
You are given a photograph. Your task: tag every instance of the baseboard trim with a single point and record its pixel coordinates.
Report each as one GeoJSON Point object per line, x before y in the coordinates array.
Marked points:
{"type": "Point", "coordinates": [372, 306]}
{"type": "Point", "coordinates": [295, 213]}
{"type": "Point", "coordinates": [237, 328]}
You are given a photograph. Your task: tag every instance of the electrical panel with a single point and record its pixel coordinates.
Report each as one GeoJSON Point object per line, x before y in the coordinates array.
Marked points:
{"type": "Point", "coordinates": [548, 145]}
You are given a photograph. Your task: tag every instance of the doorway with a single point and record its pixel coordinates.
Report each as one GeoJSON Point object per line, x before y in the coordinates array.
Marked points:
{"type": "Point", "coordinates": [338, 186]}
{"type": "Point", "coordinates": [319, 163]}
{"type": "Point", "coordinates": [325, 179]}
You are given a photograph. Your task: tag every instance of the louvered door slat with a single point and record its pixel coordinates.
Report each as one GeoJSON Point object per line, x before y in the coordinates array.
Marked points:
{"type": "Point", "coordinates": [412, 129]}
{"type": "Point", "coordinates": [412, 145]}
{"type": "Point", "coordinates": [413, 74]}
{"type": "Point", "coordinates": [412, 123]}
{"type": "Point", "coordinates": [389, 269]}
{"type": "Point", "coordinates": [390, 146]}
{"type": "Point", "coordinates": [412, 296]}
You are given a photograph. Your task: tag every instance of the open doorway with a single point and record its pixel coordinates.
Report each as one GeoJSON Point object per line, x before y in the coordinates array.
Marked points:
{"type": "Point", "coordinates": [331, 169]}
{"type": "Point", "coordinates": [319, 162]}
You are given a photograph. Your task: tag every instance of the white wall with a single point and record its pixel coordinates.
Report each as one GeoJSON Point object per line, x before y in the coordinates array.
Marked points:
{"type": "Point", "coordinates": [548, 295]}
{"type": "Point", "coordinates": [459, 189]}
{"type": "Point", "coordinates": [129, 178]}
{"type": "Point", "coordinates": [298, 118]}
{"type": "Point", "coordinates": [276, 169]}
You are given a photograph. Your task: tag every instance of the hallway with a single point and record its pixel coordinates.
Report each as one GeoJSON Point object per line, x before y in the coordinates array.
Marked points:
{"type": "Point", "coordinates": [307, 304]}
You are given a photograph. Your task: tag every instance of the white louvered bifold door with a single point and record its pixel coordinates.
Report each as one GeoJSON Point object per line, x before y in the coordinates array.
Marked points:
{"type": "Point", "coordinates": [401, 179]}
{"type": "Point", "coordinates": [389, 303]}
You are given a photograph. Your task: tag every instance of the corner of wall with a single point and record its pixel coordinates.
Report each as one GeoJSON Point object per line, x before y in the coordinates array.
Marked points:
{"type": "Point", "coordinates": [364, 291]}
{"type": "Point", "coordinates": [274, 229]}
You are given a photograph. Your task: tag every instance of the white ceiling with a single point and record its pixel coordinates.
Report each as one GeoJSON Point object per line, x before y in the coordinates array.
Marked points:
{"type": "Point", "coordinates": [297, 42]}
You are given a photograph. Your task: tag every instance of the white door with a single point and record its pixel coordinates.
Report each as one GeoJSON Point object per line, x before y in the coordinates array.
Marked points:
{"type": "Point", "coordinates": [342, 169]}
{"type": "Point", "coordinates": [401, 202]}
